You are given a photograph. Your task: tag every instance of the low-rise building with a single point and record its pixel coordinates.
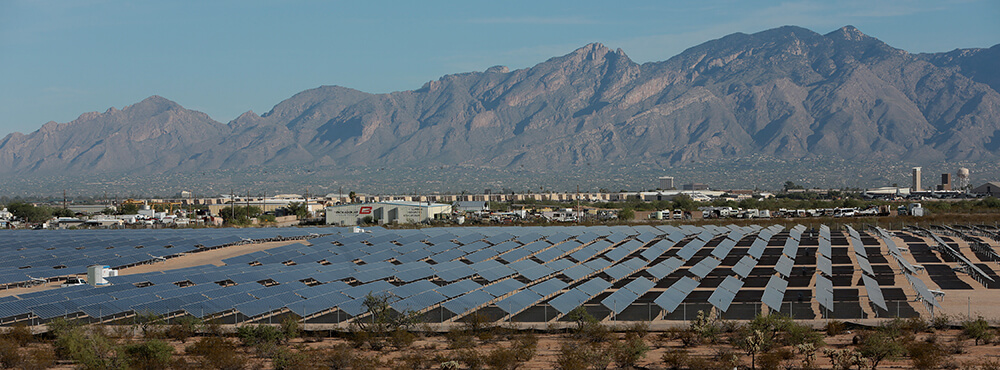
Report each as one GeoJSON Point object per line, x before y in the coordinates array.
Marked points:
{"type": "Point", "coordinates": [386, 212]}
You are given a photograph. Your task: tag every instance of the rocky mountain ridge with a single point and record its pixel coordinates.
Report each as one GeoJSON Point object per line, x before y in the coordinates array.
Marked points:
{"type": "Point", "coordinates": [787, 93]}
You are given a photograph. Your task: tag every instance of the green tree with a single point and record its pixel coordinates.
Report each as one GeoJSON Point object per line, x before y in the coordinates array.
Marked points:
{"type": "Point", "coordinates": [626, 214]}
{"type": "Point", "coordinates": [299, 209]}
{"type": "Point", "coordinates": [876, 346]}
{"type": "Point", "coordinates": [29, 212]}
{"type": "Point", "coordinates": [149, 355]}
{"type": "Point", "coordinates": [128, 209]}
{"type": "Point", "coordinates": [978, 329]}
{"type": "Point", "coordinates": [239, 215]}
{"type": "Point", "coordinates": [682, 201]}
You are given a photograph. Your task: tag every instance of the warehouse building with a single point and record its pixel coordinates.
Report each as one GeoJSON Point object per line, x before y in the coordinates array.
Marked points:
{"type": "Point", "coordinates": [401, 212]}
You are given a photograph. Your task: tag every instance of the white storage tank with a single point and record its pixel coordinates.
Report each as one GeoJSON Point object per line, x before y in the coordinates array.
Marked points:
{"type": "Point", "coordinates": [97, 273]}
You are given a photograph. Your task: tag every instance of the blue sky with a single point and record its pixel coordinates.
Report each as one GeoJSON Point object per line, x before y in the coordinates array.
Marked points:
{"type": "Point", "coordinates": [63, 58]}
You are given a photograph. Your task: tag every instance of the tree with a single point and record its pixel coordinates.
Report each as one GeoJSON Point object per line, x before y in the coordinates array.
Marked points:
{"type": "Point", "coordinates": [876, 346]}
{"type": "Point", "coordinates": [239, 215]}
{"type": "Point", "coordinates": [299, 209]}
{"type": "Point", "coordinates": [978, 329]}
{"type": "Point", "coordinates": [29, 213]}
{"type": "Point", "coordinates": [382, 320]}
{"type": "Point", "coordinates": [128, 209]}
{"type": "Point", "coordinates": [626, 214]}
{"type": "Point", "coordinates": [682, 201]}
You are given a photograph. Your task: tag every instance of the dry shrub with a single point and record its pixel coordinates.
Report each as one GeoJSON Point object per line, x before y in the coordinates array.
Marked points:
{"type": "Point", "coordinates": [342, 356]}
{"type": "Point", "coordinates": [413, 360]}
{"type": "Point", "coordinates": [10, 356]}
{"type": "Point", "coordinates": [38, 359]}
{"type": "Point", "coordinates": [629, 351]}
{"type": "Point", "coordinates": [775, 359]}
{"type": "Point", "coordinates": [217, 353]}
{"type": "Point", "coordinates": [926, 355]}
{"type": "Point", "coordinates": [835, 327]}
{"type": "Point", "coordinates": [675, 358]}
{"type": "Point", "coordinates": [20, 333]}
{"type": "Point", "coordinates": [458, 338]}
{"type": "Point", "coordinates": [402, 339]}
{"type": "Point", "coordinates": [582, 355]}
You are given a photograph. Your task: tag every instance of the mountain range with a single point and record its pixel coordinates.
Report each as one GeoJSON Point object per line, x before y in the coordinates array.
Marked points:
{"type": "Point", "coordinates": [786, 94]}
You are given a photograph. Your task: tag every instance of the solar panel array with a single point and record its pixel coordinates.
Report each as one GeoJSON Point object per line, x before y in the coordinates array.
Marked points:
{"type": "Point", "coordinates": [32, 254]}
{"type": "Point", "coordinates": [978, 274]}
{"type": "Point", "coordinates": [861, 256]}
{"type": "Point", "coordinates": [454, 272]}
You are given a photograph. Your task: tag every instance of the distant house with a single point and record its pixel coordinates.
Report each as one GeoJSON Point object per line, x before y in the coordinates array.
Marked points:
{"type": "Point", "coordinates": [991, 188]}
{"type": "Point", "coordinates": [465, 206]}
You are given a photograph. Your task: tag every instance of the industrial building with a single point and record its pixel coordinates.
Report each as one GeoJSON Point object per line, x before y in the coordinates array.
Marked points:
{"type": "Point", "coordinates": [916, 179]}
{"type": "Point", "coordinates": [401, 212]}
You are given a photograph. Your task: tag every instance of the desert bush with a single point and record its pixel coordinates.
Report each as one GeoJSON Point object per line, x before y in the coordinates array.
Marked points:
{"type": "Point", "coordinates": [978, 330]}
{"type": "Point", "coordinates": [265, 339]}
{"type": "Point", "coordinates": [90, 349]}
{"type": "Point", "coordinates": [10, 356]}
{"type": "Point", "coordinates": [183, 328]}
{"type": "Point", "coordinates": [627, 352]}
{"type": "Point", "coordinates": [640, 329]}
{"type": "Point", "coordinates": [413, 360]}
{"type": "Point", "coordinates": [38, 359]}
{"type": "Point", "coordinates": [941, 322]}
{"type": "Point", "coordinates": [917, 324]}
{"type": "Point", "coordinates": [216, 352]}
{"type": "Point", "coordinates": [149, 324]}
{"type": "Point", "coordinates": [402, 339]}
{"type": "Point", "coordinates": [925, 355]}
{"type": "Point", "coordinates": [774, 359]}
{"type": "Point", "coordinates": [843, 359]}
{"type": "Point", "coordinates": [675, 358]}
{"type": "Point", "coordinates": [876, 346]}
{"type": "Point", "coordinates": [587, 327]}
{"type": "Point", "coordinates": [20, 333]}
{"type": "Point", "coordinates": [471, 358]}
{"type": "Point", "coordinates": [458, 338]}
{"type": "Point", "coordinates": [342, 356]}
{"type": "Point", "coordinates": [291, 327]}
{"type": "Point", "coordinates": [706, 327]}
{"type": "Point", "coordinates": [726, 358]}
{"type": "Point", "coordinates": [835, 327]}
{"type": "Point", "coordinates": [153, 354]}
{"type": "Point", "coordinates": [582, 355]}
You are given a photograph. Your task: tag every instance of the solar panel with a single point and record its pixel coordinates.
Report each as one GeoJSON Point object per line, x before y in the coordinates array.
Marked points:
{"type": "Point", "coordinates": [704, 267]}
{"type": "Point", "coordinates": [640, 285]}
{"type": "Point", "coordinates": [757, 248]}
{"type": "Point", "coordinates": [566, 302]}
{"type": "Point", "coordinates": [673, 296]}
{"type": "Point", "coordinates": [744, 266]}
{"type": "Point", "coordinates": [824, 265]}
{"type": "Point", "coordinates": [619, 300]}
{"type": "Point", "coordinates": [548, 287]}
{"type": "Point", "coordinates": [721, 299]}
{"type": "Point", "coordinates": [791, 247]}
{"type": "Point", "coordinates": [772, 298]}
{"type": "Point", "coordinates": [874, 292]}
{"type": "Point", "coordinates": [784, 265]}
{"type": "Point", "coordinates": [731, 284]}
{"type": "Point", "coordinates": [922, 290]}
{"type": "Point", "coordinates": [865, 265]}
{"type": "Point", "coordinates": [519, 301]}
{"type": "Point", "coordinates": [690, 249]}
{"type": "Point", "coordinates": [825, 248]}
{"type": "Point", "coordinates": [722, 250]}
{"type": "Point", "coordinates": [665, 268]}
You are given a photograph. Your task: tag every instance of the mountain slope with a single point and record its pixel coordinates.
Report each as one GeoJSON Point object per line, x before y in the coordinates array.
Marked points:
{"type": "Point", "coordinates": [787, 93]}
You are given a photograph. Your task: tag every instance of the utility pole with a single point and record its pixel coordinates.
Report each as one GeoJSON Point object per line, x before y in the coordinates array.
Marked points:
{"type": "Point", "coordinates": [232, 204]}
{"type": "Point", "coordinates": [64, 199]}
